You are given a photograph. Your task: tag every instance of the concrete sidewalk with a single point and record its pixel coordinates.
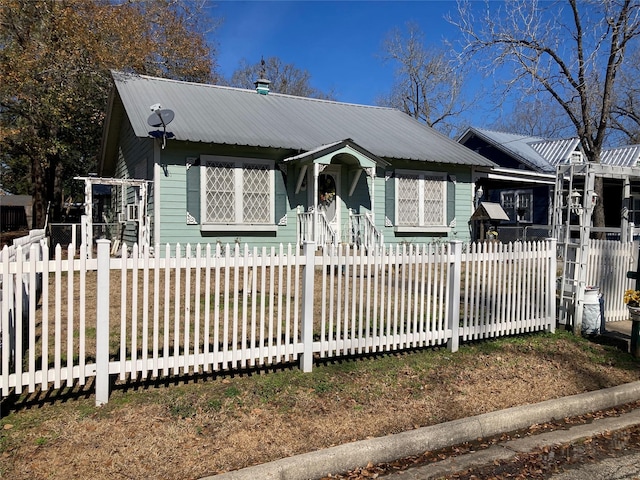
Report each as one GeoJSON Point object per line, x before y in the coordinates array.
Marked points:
{"type": "Point", "coordinates": [343, 458]}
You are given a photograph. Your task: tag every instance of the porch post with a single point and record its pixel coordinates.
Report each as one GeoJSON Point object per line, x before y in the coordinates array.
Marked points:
{"type": "Point", "coordinates": [87, 225]}
{"type": "Point", "coordinates": [316, 173]}
{"type": "Point", "coordinates": [626, 202]}
{"type": "Point", "coordinates": [371, 173]}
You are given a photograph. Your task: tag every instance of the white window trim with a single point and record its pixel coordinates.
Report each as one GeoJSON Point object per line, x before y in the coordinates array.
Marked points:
{"type": "Point", "coordinates": [516, 198]}
{"type": "Point", "coordinates": [421, 174]}
{"type": "Point", "coordinates": [238, 163]}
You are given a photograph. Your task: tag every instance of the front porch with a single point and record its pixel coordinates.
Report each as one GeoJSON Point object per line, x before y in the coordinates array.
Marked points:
{"type": "Point", "coordinates": [360, 230]}
{"type": "Point", "coordinates": [335, 189]}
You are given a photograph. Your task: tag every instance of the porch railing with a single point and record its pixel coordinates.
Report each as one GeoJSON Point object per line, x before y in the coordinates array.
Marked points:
{"type": "Point", "coordinates": [321, 233]}
{"type": "Point", "coordinates": [363, 231]}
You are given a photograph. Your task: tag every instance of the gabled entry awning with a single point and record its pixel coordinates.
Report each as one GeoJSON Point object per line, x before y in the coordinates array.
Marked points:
{"type": "Point", "coordinates": [347, 151]}
{"type": "Point", "coordinates": [325, 153]}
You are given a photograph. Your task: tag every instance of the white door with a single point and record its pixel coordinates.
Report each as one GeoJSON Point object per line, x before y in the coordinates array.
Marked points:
{"type": "Point", "coordinates": [329, 196]}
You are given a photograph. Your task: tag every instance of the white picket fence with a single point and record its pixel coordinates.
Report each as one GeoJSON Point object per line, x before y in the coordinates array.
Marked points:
{"type": "Point", "coordinates": [193, 309]}
{"type": "Point", "coordinates": [607, 267]}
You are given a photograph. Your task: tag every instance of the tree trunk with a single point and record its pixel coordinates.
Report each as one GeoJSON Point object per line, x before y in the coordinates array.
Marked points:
{"type": "Point", "coordinates": [38, 193]}
{"type": "Point", "coordinates": [598, 211]}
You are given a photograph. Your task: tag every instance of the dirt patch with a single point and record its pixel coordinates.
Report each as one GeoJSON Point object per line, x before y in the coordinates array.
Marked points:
{"type": "Point", "coordinates": [218, 423]}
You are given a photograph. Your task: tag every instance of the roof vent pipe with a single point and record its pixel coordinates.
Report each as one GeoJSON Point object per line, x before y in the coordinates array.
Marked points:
{"type": "Point", "coordinates": [262, 86]}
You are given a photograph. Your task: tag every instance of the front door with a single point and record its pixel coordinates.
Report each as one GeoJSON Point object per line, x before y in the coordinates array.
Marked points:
{"type": "Point", "coordinates": [329, 196]}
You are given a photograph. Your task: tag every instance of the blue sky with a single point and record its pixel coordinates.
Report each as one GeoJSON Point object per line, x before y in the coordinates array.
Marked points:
{"type": "Point", "coordinates": [338, 42]}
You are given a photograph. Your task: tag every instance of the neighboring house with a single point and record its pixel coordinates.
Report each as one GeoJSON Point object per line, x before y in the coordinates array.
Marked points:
{"type": "Point", "coordinates": [524, 181]}
{"type": "Point", "coordinates": [15, 212]}
{"type": "Point", "coordinates": [245, 166]}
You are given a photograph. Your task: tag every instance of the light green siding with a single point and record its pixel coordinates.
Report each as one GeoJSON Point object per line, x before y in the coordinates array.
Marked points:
{"type": "Point", "coordinates": [175, 189]}
{"type": "Point", "coordinates": [135, 160]}
{"type": "Point", "coordinates": [174, 227]}
{"type": "Point", "coordinates": [458, 182]}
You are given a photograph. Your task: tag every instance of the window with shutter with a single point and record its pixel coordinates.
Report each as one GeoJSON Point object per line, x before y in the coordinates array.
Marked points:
{"type": "Point", "coordinates": [421, 199]}
{"type": "Point", "coordinates": [237, 192]}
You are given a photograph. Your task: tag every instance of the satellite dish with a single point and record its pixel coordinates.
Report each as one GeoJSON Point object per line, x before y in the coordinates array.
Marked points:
{"type": "Point", "coordinates": [161, 117]}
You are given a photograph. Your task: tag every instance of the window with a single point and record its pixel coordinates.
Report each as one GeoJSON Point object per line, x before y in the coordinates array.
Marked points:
{"type": "Point", "coordinates": [421, 199]}
{"type": "Point", "coordinates": [237, 192]}
{"type": "Point", "coordinates": [132, 212]}
{"type": "Point", "coordinates": [518, 205]}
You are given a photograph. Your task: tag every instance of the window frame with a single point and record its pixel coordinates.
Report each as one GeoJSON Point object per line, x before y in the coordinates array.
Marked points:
{"type": "Point", "coordinates": [422, 178]}
{"type": "Point", "coordinates": [238, 168]}
{"type": "Point", "coordinates": [517, 194]}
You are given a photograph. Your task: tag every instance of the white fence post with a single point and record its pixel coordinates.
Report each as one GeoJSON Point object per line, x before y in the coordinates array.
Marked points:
{"type": "Point", "coordinates": [306, 359]}
{"type": "Point", "coordinates": [102, 320]}
{"type": "Point", "coordinates": [552, 245]}
{"type": "Point", "coordinates": [454, 276]}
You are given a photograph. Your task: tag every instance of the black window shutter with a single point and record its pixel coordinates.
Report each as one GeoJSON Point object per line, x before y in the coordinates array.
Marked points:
{"type": "Point", "coordinates": [193, 191]}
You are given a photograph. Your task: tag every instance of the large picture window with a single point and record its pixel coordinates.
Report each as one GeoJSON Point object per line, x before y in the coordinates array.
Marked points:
{"type": "Point", "coordinates": [421, 199]}
{"type": "Point", "coordinates": [237, 192]}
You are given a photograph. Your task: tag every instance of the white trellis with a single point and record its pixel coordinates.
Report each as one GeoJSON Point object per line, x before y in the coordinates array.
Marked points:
{"type": "Point", "coordinates": [129, 208]}
{"type": "Point", "coordinates": [574, 203]}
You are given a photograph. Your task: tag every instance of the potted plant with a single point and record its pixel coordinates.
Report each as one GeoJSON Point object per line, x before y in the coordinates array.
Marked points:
{"type": "Point", "coordinates": [632, 300]}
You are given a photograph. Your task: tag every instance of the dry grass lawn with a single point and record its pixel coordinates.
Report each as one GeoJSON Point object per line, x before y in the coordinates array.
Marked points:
{"type": "Point", "coordinates": [218, 423]}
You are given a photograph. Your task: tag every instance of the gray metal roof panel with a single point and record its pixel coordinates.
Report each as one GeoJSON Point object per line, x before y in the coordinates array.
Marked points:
{"type": "Point", "coordinates": [556, 152]}
{"type": "Point", "coordinates": [225, 115]}
{"type": "Point", "coordinates": [518, 146]}
{"type": "Point", "coordinates": [621, 157]}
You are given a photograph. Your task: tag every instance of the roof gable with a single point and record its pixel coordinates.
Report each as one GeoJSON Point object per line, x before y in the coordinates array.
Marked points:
{"type": "Point", "coordinates": [546, 154]}
{"type": "Point", "coordinates": [231, 116]}
{"type": "Point", "coordinates": [324, 153]}
{"type": "Point", "coordinates": [526, 149]}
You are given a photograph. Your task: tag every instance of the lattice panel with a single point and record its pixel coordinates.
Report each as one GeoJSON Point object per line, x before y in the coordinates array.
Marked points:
{"type": "Point", "coordinates": [433, 201]}
{"type": "Point", "coordinates": [255, 194]}
{"type": "Point", "coordinates": [408, 200]}
{"type": "Point", "coordinates": [221, 197]}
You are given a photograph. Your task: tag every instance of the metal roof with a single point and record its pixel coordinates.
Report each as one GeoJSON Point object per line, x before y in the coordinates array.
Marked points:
{"type": "Point", "coordinates": [556, 152]}
{"type": "Point", "coordinates": [224, 115]}
{"type": "Point", "coordinates": [516, 145]}
{"type": "Point", "coordinates": [545, 154]}
{"type": "Point", "coordinates": [622, 156]}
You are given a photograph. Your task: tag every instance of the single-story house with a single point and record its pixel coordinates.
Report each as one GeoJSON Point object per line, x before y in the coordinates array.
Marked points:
{"type": "Point", "coordinates": [525, 178]}
{"type": "Point", "coordinates": [220, 164]}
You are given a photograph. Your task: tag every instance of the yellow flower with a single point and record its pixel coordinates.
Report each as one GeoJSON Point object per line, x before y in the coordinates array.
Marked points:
{"type": "Point", "coordinates": [632, 298]}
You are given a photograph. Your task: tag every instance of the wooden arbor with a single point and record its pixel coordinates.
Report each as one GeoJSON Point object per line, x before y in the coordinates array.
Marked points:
{"type": "Point", "coordinates": [574, 202]}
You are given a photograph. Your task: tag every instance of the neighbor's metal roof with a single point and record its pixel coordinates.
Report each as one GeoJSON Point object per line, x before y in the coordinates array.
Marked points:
{"type": "Point", "coordinates": [224, 115]}
{"type": "Point", "coordinates": [518, 146]}
{"type": "Point", "coordinates": [622, 156]}
{"type": "Point", "coordinates": [548, 154]}
{"type": "Point", "coordinates": [556, 152]}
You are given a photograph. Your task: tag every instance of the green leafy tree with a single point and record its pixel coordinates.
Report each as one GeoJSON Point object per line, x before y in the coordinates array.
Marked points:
{"type": "Point", "coordinates": [55, 58]}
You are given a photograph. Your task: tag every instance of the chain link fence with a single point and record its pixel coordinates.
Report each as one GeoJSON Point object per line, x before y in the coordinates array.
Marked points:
{"type": "Point", "coordinates": [64, 234]}
{"type": "Point", "coordinates": [524, 233]}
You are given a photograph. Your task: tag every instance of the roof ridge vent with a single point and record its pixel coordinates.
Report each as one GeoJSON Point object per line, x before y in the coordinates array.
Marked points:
{"type": "Point", "coordinates": [262, 86]}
